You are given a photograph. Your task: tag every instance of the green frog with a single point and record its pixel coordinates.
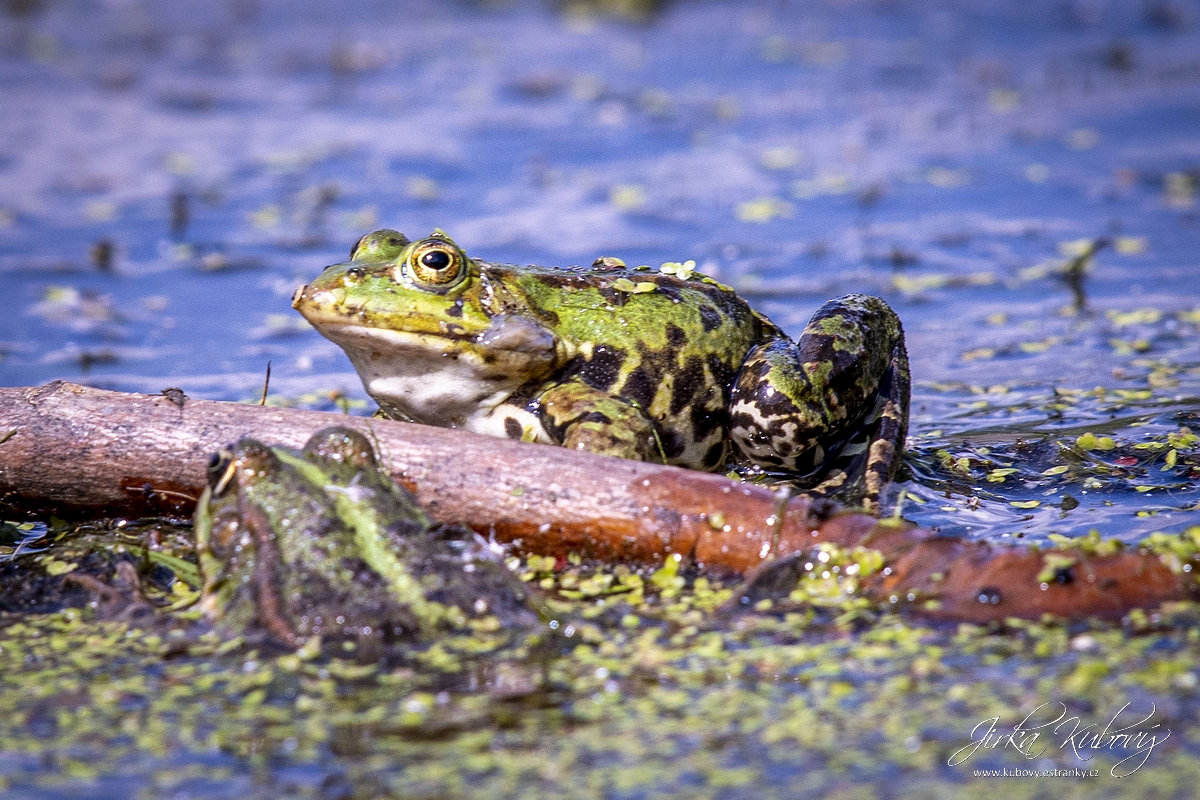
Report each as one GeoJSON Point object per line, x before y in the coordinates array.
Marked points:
{"type": "Point", "coordinates": [319, 542]}
{"type": "Point", "coordinates": [667, 365]}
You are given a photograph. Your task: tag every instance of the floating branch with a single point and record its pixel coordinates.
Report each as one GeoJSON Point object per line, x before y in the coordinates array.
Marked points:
{"type": "Point", "coordinates": [77, 452]}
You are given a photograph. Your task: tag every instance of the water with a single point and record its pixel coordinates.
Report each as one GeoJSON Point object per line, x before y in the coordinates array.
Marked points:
{"type": "Point", "coordinates": [951, 158]}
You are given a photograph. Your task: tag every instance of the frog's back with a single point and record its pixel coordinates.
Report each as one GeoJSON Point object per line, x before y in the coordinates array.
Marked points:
{"type": "Point", "coordinates": [671, 346]}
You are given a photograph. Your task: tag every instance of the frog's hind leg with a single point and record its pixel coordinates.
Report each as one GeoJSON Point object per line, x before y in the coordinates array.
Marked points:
{"type": "Point", "coordinates": [831, 409]}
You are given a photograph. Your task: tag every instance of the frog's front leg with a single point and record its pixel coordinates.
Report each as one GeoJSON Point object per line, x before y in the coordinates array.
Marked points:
{"type": "Point", "coordinates": [838, 395]}
{"type": "Point", "coordinates": [582, 417]}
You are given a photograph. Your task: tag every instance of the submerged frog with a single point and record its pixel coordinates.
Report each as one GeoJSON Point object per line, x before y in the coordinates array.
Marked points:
{"type": "Point", "coordinates": [674, 368]}
{"type": "Point", "coordinates": [320, 543]}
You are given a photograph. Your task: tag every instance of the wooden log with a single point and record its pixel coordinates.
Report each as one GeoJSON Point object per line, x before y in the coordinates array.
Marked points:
{"type": "Point", "coordinates": [74, 452]}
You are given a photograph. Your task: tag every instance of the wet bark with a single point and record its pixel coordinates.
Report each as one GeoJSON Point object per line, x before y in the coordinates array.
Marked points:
{"type": "Point", "coordinates": [76, 452]}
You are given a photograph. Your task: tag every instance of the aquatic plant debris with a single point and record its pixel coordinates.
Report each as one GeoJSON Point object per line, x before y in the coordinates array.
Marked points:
{"type": "Point", "coordinates": [169, 172]}
{"type": "Point", "coordinates": [660, 694]}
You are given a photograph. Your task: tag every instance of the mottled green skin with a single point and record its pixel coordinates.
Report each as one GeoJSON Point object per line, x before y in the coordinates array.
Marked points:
{"type": "Point", "coordinates": [627, 362]}
{"type": "Point", "coordinates": [318, 542]}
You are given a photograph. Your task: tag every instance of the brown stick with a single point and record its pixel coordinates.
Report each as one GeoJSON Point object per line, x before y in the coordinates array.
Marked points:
{"type": "Point", "coordinates": [73, 451]}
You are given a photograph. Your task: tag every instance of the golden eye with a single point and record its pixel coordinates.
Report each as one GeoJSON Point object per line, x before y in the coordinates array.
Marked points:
{"type": "Point", "coordinates": [437, 264]}
{"type": "Point", "coordinates": [220, 471]}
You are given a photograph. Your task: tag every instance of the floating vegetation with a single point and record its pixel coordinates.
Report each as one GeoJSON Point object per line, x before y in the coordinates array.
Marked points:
{"type": "Point", "coordinates": [668, 684]}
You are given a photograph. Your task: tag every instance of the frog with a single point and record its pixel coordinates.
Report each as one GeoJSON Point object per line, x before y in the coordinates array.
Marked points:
{"type": "Point", "coordinates": [318, 546]}
{"type": "Point", "coordinates": [667, 365]}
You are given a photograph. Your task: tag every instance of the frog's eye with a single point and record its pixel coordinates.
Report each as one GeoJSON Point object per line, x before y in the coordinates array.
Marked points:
{"type": "Point", "coordinates": [220, 471]}
{"type": "Point", "coordinates": [437, 264]}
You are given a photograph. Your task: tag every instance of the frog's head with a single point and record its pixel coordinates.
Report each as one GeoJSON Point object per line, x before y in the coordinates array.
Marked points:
{"type": "Point", "coordinates": [320, 542]}
{"type": "Point", "coordinates": [392, 284]}
{"type": "Point", "coordinates": [422, 323]}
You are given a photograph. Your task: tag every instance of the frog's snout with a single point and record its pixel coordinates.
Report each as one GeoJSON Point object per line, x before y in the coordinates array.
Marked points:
{"type": "Point", "coordinates": [299, 293]}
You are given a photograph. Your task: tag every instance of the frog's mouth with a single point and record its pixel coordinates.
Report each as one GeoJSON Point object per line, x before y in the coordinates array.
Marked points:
{"type": "Point", "coordinates": [446, 379]}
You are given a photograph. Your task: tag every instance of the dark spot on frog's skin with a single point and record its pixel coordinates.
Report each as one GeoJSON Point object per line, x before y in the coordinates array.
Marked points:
{"type": "Point", "coordinates": [687, 381]}
{"type": "Point", "coordinates": [722, 374]}
{"type": "Point", "coordinates": [705, 420]}
{"type": "Point", "coordinates": [641, 386]}
{"type": "Point", "coordinates": [667, 290]}
{"type": "Point", "coordinates": [673, 444]}
{"type": "Point", "coordinates": [779, 429]}
{"type": "Point", "coordinates": [512, 428]}
{"type": "Point", "coordinates": [676, 339]}
{"type": "Point", "coordinates": [456, 309]}
{"type": "Point", "coordinates": [710, 318]}
{"type": "Point", "coordinates": [715, 455]}
{"type": "Point", "coordinates": [613, 297]}
{"type": "Point", "coordinates": [562, 279]}
{"type": "Point", "coordinates": [747, 423]}
{"type": "Point", "coordinates": [602, 370]}
{"type": "Point", "coordinates": [489, 358]}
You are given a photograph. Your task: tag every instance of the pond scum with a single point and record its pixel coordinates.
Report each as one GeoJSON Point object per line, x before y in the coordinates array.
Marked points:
{"type": "Point", "coordinates": [659, 683]}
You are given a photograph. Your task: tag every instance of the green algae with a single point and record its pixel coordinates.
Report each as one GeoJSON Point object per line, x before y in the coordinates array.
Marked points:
{"type": "Point", "coordinates": [658, 684]}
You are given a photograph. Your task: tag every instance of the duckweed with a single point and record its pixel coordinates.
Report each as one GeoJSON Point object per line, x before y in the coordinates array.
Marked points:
{"type": "Point", "coordinates": [656, 683]}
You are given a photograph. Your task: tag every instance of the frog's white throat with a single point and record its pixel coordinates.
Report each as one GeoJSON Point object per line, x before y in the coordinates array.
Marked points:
{"type": "Point", "coordinates": [438, 380]}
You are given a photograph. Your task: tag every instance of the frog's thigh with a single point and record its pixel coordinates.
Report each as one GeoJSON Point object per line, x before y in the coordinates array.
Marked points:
{"type": "Point", "coordinates": [583, 418]}
{"type": "Point", "coordinates": [790, 396]}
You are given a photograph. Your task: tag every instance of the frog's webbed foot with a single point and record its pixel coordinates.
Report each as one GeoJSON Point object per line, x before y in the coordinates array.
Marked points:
{"type": "Point", "coordinates": [832, 409]}
{"type": "Point", "coordinates": [581, 417]}
{"type": "Point", "coordinates": [121, 598]}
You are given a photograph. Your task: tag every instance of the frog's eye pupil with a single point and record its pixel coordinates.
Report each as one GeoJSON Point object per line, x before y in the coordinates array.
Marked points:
{"type": "Point", "coordinates": [436, 259]}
